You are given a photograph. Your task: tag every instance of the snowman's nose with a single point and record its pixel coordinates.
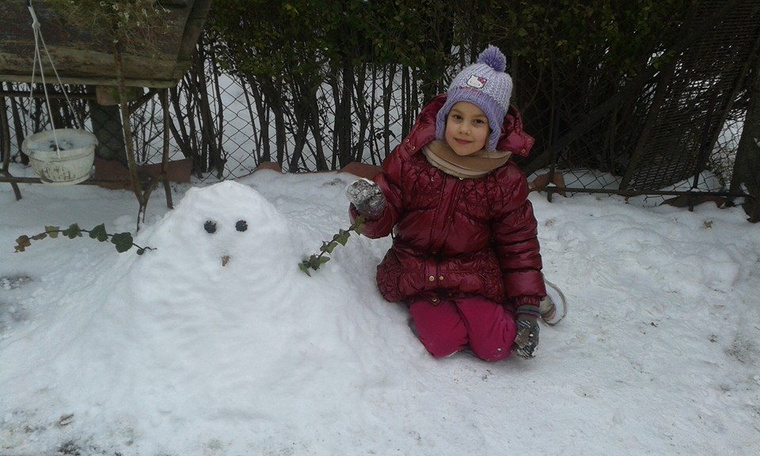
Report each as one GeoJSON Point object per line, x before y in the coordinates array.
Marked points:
{"type": "Point", "coordinates": [225, 259]}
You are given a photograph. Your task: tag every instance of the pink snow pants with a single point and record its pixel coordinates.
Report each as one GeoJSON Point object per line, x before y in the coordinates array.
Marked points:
{"type": "Point", "coordinates": [449, 326]}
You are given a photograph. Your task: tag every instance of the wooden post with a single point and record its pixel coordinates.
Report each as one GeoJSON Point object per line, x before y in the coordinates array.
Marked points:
{"type": "Point", "coordinates": [127, 128]}
{"type": "Point", "coordinates": [164, 97]}
{"type": "Point", "coordinates": [747, 165]}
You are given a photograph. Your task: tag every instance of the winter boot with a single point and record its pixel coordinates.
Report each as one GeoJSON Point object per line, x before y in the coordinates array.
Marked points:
{"type": "Point", "coordinates": [553, 307]}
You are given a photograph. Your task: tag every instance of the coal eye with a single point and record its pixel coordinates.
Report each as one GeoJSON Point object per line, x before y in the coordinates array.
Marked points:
{"type": "Point", "coordinates": [210, 227]}
{"type": "Point", "coordinates": [241, 225]}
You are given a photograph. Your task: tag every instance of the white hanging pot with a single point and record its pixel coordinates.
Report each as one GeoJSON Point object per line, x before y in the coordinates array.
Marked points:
{"type": "Point", "coordinates": [68, 163]}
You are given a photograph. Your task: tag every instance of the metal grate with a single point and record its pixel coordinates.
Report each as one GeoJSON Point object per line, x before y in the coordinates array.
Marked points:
{"type": "Point", "coordinates": [693, 100]}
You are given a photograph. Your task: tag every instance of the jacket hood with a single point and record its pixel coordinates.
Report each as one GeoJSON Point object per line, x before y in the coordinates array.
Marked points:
{"type": "Point", "coordinates": [513, 139]}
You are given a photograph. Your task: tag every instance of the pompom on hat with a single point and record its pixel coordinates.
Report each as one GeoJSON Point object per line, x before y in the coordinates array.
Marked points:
{"type": "Point", "coordinates": [484, 84]}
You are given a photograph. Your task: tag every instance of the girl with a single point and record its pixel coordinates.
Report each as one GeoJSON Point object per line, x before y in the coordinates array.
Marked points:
{"type": "Point", "coordinates": [465, 256]}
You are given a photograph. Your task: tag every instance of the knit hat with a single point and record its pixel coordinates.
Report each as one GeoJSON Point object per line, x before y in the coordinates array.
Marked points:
{"type": "Point", "coordinates": [484, 84]}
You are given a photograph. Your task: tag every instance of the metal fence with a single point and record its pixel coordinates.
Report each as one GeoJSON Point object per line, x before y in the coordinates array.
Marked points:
{"type": "Point", "coordinates": [683, 125]}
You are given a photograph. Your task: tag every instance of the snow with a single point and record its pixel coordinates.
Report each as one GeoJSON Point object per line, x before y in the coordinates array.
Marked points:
{"type": "Point", "coordinates": [172, 353]}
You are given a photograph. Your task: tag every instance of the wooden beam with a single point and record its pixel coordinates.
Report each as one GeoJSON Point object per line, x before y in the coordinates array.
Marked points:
{"type": "Point", "coordinates": [83, 59]}
{"type": "Point", "coordinates": [103, 81]}
{"type": "Point", "coordinates": [56, 95]}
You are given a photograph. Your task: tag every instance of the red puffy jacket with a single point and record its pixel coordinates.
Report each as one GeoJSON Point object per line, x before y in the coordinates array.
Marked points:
{"type": "Point", "coordinates": [456, 237]}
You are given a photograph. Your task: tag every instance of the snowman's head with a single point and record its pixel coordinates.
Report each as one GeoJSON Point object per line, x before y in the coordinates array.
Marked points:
{"type": "Point", "coordinates": [223, 227]}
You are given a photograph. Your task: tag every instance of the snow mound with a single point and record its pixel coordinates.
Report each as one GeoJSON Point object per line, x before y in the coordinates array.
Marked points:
{"type": "Point", "coordinates": [219, 315]}
{"type": "Point", "coordinates": [215, 328]}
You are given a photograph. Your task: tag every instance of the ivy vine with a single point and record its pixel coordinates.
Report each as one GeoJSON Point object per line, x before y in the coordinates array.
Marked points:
{"type": "Point", "coordinates": [122, 241]}
{"type": "Point", "coordinates": [340, 238]}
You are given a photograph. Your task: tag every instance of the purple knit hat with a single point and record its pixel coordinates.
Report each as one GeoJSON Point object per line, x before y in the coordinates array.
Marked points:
{"type": "Point", "coordinates": [484, 84]}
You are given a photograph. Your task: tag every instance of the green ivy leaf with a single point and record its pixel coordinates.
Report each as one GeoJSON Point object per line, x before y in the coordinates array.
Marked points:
{"type": "Point", "coordinates": [328, 247]}
{"type": "Point", "coordinates": [99, 233]}
{"type": "Point", "coordinates": [39, 237]}
{"type": "Point", "coordinates": [342, 237]}
{"type": "Point", "coordinates": [358, 225]}
{"type": "Point", "coordinates": [52, 231]}
{"type": "Point", "coordinates": [304, 266]}
{"type": "Point", "coordinates": [122, 241]}
{"type": "Point", "coordinates": [72, 231]}
{"type": "Point", "coordinates": [315, 262]}
{"type": "Point", "coordinates": [22, 242]}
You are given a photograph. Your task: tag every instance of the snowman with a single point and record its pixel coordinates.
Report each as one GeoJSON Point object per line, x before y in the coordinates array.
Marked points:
{"type": "Point", "coordinates": [216, 307]}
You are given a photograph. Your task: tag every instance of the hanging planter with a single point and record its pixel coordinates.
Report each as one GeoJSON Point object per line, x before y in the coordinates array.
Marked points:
{"type": "Point", "coordinates": [61, 157]}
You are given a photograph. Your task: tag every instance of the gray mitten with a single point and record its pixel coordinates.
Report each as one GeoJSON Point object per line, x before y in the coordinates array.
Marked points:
{"type": "Point", "coordinates": [367, 197]}
{"type": "Point", "coordinates": [527, 331]}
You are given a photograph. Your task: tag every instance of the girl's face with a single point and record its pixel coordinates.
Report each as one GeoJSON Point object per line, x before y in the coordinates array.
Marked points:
{"type": "Point", "coordinates": [467, 129]}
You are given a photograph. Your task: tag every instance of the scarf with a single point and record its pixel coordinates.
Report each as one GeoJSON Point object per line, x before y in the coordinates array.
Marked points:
{"type": "Point", "coordinates": [443, 157]}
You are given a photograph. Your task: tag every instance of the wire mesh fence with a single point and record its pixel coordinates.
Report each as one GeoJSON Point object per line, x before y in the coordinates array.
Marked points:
{"type": "Point", "coordinates": [227, 136]}
{"type": "Point", "coordinates": [600, 130]}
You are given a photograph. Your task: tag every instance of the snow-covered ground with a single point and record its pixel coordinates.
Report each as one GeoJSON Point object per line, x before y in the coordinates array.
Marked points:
{"type": "Point", "coordinates": [171, 353]}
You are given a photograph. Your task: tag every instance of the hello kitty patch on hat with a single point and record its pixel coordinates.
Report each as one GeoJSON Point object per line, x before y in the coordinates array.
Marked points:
{"type": "Point", "coordinates": [477, 82]}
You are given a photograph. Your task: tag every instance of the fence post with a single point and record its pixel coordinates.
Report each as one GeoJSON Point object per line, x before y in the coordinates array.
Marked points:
{"type": "Point", "coordinates": [747, 165]}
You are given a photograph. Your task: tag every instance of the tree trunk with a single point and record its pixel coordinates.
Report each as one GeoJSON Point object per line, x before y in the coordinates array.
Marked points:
{"type": "Point", "coordinates": [391, 74]}
{"type": "Point", "coordinates": [316, 129]}
{"type": "Point", "coordinates": [5, 145]}
{"type": "Point", "coordinates": [262, 117]}
{"type": "Point", "coordinates": [18, 126]}
{"type": "Point", "coordinates": [106, 125]}
{"type": "Point", "coordinates": [182, 130]}
{"type": "Point", "coordinates": [343, 121]}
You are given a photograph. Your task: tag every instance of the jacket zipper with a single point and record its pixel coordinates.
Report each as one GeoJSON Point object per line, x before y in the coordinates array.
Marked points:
{"type": "Point", "coordinates": [444, 225]}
